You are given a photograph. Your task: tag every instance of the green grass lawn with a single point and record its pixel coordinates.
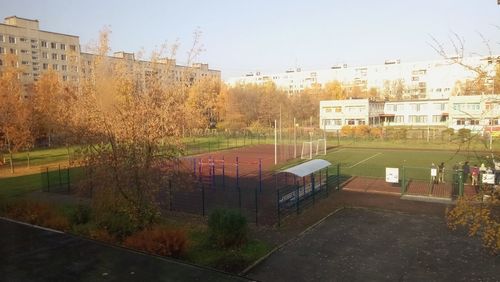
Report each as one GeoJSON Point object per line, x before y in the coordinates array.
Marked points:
{"type": "Point", "coordinates": [417, 163]}
{"type": "Point", "coordinates": [18, 186]}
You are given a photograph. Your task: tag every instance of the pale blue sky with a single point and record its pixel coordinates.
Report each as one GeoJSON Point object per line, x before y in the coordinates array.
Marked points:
{"type": "Point", "coordinates": [242, 36]}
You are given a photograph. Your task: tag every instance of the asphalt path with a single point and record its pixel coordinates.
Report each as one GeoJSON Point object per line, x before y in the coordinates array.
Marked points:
{"type": "Point", "coordinates": [30, 253]}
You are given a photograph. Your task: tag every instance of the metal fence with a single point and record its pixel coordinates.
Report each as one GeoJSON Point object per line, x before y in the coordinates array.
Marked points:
{"type": "Point", "coordinates": [55, 179]}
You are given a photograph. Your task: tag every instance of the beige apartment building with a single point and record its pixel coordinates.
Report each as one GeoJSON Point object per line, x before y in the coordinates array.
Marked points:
{"type": "Point", "coordinates": [38, 50]}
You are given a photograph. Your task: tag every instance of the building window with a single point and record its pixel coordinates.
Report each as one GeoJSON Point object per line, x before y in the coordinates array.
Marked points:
{"type": "Point", "coordinates": [24, 51]}
{"type": "Point", "coordinates": [54, 56]}
{"type": "Point", "coordinates": [53, 45]}
{"type": "Point", "coordinates": [418, 119]}
{"type": "Point", "coordinates": [72, 47]}
{"type": "Point", "coordinates": [439, 106]}
{"type": "Point", "coordinates": [64, 67]}
{"type": "Point", "coordinates": [493, 121]}
{"type": "Point", "coordinates": [63, 57]}
{"type": "Point", "coordinates": [350, 122]}
{"type": "Point", "coordinates": [474, 122]}
{"type": "Point", "coordinates": [45, 66]}
{"type": "Point", "coordinates": [22, 39]}
{"type": "Point", "coordinates": [1, 38]}
{"type": "Point", "coordinates": [44, 44]}
{"type": "Point", "coordinates": [62, 46]}
{"type": "Point", "coordinates": [12, 39]}
{"type": "Point", "coordinates": [65, 78]}
{"type": "Point", "coordinates": [33, 40]}
{"type": "Point", "coordinates": [13, 51]}
{"type": "Point", "coordinates": [45, 55]}
{"type": "Point", "coordinates": [55, 67]}
{"type": "Point", "coordinates": [25, 62]}
{"type": "Point", "coordinates": [399, 119]}
{"type": "Point", "coordinates": [34, 58]}
{"type": "Point", "coordinates": [2, 50]}
{"type": "Point", "coordinates": [460, 121]}
{"type": "Point", "coordinates": [1, 62]}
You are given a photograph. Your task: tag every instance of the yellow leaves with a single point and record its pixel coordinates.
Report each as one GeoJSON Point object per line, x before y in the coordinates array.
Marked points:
{"type": "Point", "coordinates": [477, 217]}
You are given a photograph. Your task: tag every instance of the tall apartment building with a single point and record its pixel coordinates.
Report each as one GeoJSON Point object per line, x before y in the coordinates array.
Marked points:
{"type": "Point", "coordinates": [413, 80]}
{"type": "Point", "coordinates": [38, 50]}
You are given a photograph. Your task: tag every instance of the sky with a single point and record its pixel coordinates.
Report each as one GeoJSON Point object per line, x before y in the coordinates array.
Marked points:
{"type": "Point", "coordinates": [271, 36]}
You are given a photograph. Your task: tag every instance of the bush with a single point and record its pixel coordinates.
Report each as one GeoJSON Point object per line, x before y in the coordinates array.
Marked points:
{"type": "Point", "coordinates": [159, 241]}
{"type": "Point", "coordinates": [227, 228]}
{"type": "Point", "coordinates": [118, 224]}
{"type": "Point", "coordinates": [38, 214]}
{"type": "Point", "coordinates": [80, 215]}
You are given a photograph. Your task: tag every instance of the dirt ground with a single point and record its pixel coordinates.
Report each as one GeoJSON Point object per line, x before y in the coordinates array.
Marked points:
{"type": "Point", "coordinates": [373, 245]}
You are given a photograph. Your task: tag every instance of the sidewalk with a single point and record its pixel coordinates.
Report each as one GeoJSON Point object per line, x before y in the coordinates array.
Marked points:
{"type": "Point", "coordinates": [30, 253]}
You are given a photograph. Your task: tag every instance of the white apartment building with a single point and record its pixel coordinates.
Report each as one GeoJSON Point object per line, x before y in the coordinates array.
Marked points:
{"type": "Point", "coordinates": [476, 112]}
{"type": "Point", "coordinates": [39, 50]}
{"type": "Point", "coordinates": [418, 80]}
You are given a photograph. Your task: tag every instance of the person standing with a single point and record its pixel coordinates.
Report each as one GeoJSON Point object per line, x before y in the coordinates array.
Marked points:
{"type": "Point", "coordinates": [441, 173]}
{"type": "Point", "coordinates": [474, 175]}
{"type": "Point", "coordinates": [433, 173]}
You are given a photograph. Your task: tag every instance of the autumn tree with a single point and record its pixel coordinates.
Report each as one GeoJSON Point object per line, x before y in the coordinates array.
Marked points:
{"type": "Point", "coordinates": [16, 122]}
{"type": "Point", "coordinates": [129, 135]}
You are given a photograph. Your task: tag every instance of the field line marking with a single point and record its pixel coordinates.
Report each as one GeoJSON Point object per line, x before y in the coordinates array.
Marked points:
{"type": "Point", "coordinates": [362, 161]}
{"type": "Point", "coordinates": [337, 151]}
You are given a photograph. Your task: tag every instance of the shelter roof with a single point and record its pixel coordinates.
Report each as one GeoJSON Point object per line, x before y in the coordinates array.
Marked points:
{"type": "Point", "coordinates": [307, 168]}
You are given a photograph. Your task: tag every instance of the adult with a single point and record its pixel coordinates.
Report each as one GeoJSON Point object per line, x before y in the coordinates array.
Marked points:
{"type": "Point", "coordinates": [441, 173]}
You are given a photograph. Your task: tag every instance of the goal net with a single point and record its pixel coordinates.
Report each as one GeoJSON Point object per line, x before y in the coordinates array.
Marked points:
{"type": "Point", "coordinates": [313, 148]}
{"type": "Point", "coordinates": [321, 147]}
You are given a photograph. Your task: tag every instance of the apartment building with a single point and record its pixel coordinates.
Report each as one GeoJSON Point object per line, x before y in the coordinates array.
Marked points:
{"type": "Point", "coordinates": [38, 50]}
{"type": "Point", "coordinates": [394, 79]}
{"type": "Point", "coordinates": [476, 112]}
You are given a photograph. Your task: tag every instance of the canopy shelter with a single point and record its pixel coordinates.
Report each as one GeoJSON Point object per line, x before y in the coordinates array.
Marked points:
{"type": "Point", "coordinates": [307, 168]}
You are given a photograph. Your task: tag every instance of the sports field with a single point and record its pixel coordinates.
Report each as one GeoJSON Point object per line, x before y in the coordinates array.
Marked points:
{"type": "Point", "coordinates": [372, 162]}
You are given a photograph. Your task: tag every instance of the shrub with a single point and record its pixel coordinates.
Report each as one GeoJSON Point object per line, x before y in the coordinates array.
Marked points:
{"type": "Point", "coordinates": [227, 228]}
{"type": "Point", "coordinates": [102, 235]}
{"type": "Point", "coordinates": [39, 214]}
{"type": "Point", "coordinates": [80, 215]}
{"type": "Point", "coordinates": [362, 130]}
{"type": "Point", "coordinates": [346, 131]}
{"type": "Point", "coordinates": [118, 224]}
{"type": "Point", "coordinates": [159, 241]}
{"type": "Point", "coordinates": [376, 132]}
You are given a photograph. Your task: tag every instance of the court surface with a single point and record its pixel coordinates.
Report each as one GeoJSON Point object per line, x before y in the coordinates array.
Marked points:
{"type": "Point", "coordinates": [368, 245]}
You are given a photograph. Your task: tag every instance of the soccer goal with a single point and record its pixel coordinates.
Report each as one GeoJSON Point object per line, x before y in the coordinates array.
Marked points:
{"type": "Point", "coordinates": [313, 148]}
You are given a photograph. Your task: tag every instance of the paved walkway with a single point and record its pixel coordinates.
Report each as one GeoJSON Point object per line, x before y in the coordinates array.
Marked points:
{"type": "Point", "coordinates": [367, 245]}
{"type": "Point", "coordinates": [33, 254]}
